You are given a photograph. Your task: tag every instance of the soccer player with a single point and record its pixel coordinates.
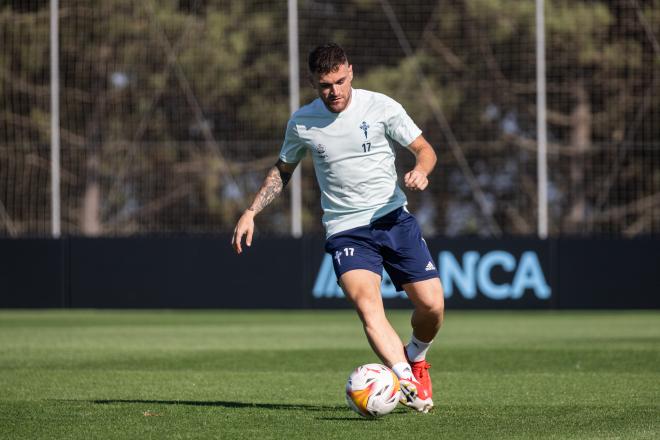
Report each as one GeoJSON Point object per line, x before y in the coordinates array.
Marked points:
{"type": "Point", "coordinates": [351, 135]}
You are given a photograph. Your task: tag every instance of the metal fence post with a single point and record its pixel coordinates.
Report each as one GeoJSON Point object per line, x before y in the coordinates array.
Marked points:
{"type": "Point", "coordinates": [55, 119]}
{"type": "Point", "coordinates": [541, 123]}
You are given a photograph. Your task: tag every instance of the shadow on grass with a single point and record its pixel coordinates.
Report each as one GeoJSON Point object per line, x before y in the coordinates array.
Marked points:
{"type": "Point", "coordinates": [349, 418]}
{"type": "Point", "coordinates": [225, 404]}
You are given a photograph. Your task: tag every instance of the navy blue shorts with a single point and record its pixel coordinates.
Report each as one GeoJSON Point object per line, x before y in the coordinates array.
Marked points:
{"type": "Point", "coordinates": [393, 242]}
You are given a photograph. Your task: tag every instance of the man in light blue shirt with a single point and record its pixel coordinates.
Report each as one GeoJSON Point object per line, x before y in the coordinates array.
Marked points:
{"type": "Point", "coordinates": [353, 154]}
{"type": "Point", "coordinates": [351, 134]}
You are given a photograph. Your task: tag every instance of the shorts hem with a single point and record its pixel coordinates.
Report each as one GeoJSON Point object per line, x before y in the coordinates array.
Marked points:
{"type": "Point", "coordinates": [398, 285]}
{"type": "Point", "coordinates": [380, 274]}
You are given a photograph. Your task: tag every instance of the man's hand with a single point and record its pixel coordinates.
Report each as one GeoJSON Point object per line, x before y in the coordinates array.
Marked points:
{"type": "Point", "coordinates": [275, 180]}
{"type": "Point", "coordinates": [245, 226]}
{"type": "Point", "coordinates": [416, 180]}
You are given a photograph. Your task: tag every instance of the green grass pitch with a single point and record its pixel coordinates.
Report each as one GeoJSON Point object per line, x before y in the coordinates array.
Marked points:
{"type": "Point", "coordinates": [281, 375]}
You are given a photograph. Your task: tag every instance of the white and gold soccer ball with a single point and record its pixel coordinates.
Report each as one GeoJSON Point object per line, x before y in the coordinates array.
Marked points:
{"type": "Point", "coordinates": [372, 390]}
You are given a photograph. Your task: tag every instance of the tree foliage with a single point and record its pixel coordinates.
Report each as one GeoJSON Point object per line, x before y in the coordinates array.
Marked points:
{"type": "Point", "coordinates": [172, 110]}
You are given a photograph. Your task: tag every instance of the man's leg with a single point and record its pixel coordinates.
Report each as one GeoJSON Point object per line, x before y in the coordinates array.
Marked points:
{"type": "Point", "coordinates": [362, 288]}
{"type": "Point", "coordinates": [428, 299]}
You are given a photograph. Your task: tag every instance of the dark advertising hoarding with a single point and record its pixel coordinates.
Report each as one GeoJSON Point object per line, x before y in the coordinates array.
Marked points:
{"type": "Point", "coordinates": [204, 272]}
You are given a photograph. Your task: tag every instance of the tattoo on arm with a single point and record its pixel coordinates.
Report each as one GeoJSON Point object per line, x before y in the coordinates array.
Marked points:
{"type": "Point", "coordinates": [274, 182]}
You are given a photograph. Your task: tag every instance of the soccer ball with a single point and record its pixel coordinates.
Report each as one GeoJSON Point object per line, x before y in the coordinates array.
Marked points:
{"type": "Point", "coordinates": [372, 390]}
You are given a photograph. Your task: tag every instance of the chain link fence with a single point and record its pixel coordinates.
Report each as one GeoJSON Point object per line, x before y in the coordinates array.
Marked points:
{"type": "Point", "coordinates": [172, 111]}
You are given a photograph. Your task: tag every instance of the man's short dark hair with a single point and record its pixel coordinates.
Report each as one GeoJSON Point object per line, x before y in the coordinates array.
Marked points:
{"type": "Point", "coordinates": [326, 58]}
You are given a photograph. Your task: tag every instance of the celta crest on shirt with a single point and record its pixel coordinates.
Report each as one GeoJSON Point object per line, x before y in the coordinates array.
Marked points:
{"type": "Point", "coordinates": [364, 126]}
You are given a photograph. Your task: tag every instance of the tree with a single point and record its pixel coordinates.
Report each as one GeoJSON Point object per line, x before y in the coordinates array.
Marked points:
{"type": "Point", "coordinates": [479, 57]}
{"type": "Point", "coordinates": [173, 110]}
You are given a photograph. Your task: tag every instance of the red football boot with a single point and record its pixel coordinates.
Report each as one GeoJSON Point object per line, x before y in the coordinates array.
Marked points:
{"type": "Point", "coordinates": [421, 373]}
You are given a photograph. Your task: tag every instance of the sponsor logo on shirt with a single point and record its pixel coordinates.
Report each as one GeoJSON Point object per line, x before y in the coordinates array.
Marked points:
{"type": "Point", "coordinates": [320, 149]}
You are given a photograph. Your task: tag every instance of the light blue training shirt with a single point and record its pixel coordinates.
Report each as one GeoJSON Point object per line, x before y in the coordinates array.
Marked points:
{"type": "Point", "coordinates": [353, 153]}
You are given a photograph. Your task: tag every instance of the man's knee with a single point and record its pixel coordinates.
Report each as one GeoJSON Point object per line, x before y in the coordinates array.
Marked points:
{"type": "Point", "coordinates": [362, 288]}
{"type": "Point", "coordinates": [369, 308]}
{"type": "Point", "coordinates": [431, 300]}
{"type": "Point", "coordinates": [434, 308]}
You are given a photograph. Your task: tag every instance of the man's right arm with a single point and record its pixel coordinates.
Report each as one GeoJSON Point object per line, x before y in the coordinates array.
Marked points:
{"type": "Point", "coordinates": [276, 179]}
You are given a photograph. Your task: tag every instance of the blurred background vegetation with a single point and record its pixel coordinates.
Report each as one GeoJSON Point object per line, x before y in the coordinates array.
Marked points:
{"type": "Point", "coordinates": [172, 110]}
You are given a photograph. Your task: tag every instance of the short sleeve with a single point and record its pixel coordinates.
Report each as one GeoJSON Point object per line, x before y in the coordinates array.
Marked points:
{"type": "Point", "coordinates": [293, 148]}
{"type": "Point", "coordinates": [400, 126]}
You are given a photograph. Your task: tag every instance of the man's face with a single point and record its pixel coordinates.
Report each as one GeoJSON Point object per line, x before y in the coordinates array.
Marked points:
{"type": "Point", "coordinates": [334, 88]}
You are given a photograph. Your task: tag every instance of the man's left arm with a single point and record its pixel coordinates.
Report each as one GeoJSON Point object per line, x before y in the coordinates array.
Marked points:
{"type": "Point", "coordinates": [417, 179]}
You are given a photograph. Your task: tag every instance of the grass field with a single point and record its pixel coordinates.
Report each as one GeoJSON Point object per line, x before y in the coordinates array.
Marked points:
{"type": "Point", "coordinates": [280, 375]}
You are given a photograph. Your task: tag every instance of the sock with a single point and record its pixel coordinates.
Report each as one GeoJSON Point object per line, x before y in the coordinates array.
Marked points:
{"type": "Point", "coordinates": [416, 349]}
{"type": "Point", "coordinates": [402, 370]}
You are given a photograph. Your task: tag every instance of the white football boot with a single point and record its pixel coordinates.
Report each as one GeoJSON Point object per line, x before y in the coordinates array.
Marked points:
{"type": "Point", "coordinates": [414, 395]}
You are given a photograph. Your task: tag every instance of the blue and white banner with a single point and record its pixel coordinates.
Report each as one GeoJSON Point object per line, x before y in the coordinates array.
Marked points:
{"type": "Point", "coordinates": [473, 273]}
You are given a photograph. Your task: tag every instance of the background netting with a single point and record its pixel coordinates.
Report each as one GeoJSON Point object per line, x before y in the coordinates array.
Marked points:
{"type": "Point", "coordinates": [172, 111]}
